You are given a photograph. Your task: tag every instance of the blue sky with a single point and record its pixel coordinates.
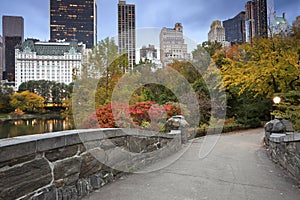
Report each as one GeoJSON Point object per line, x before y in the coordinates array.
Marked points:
{"type": "Point", "coordinates": [195, 15]}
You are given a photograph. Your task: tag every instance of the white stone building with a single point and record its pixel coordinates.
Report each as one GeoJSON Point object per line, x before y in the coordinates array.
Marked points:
{"type": "Point", "coordinates": [217, 33]}
{"type": "Point", "coordinates": [53, 61]}
{"type": "Point", "coordinates": [172, 46]}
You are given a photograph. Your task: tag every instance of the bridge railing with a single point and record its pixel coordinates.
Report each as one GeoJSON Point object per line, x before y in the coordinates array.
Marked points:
{"type": "Point", "coordinates": [71, 164]}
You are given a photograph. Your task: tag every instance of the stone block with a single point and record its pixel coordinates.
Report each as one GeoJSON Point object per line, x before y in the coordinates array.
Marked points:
{"type": "Point", "coordinates": [92, 162]}
{"type": "Point", "coordinates": [16, 150]}
{"type": "Point", "coordinates": [73, 138]}
{"type": "Point", "coordinates": [118, 158]}
{"type": "Point", "coordinates": [61, 153]}
{"type": "Point", "coordinates": [106, 144]}
{"type": "Point", "coordinates": [49, 143]}
{"type": "Point", "coordinates": [119, 141]}
{"type": "Point", "coordinates": [21, 180]}
{"type": "Point", "coordinates": [137, 144]}
{"type": "Point", "coordinates": [91, 135]}
{"type": "Point", "coordinates": [68, 170]}
{"type": "Point", "coordinates": [16, 161]}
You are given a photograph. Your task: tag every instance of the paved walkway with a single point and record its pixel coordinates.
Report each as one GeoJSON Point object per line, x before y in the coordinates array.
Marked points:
{"type": "Point", "coordinates": [236, 169]}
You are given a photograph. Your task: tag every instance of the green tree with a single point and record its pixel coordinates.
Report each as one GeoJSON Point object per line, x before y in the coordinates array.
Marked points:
{"type": "Point", "coordinates": [51, 91]}
{"type": "Point", "coordinates": [211, 47]}
{"type": "Point", "coordinates": [5, 95]}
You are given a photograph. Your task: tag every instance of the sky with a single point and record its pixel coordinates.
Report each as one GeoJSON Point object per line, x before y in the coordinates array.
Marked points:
{"type": "Point", "coordinates": [196, 16]}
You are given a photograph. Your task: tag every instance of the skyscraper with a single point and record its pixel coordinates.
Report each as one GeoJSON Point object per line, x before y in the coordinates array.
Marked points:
{"type": "Point", "coordinates": [261, 17]}
{"type": "Point", "coordinates": [256, 17]}
{"type": "Point", "coordinates": [235, 29]}
{"type": "Point", "coordinates": [74, 19]}
{"type": "Point", "coordinates": [126, 30]}
{"type": "Point", "coordinates": [13, 34]}
{"type": "Point", "coordinates": [1, 57]}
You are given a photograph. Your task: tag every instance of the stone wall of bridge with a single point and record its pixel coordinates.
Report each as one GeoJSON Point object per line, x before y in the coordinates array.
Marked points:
{"type": "Point", "coordinates": [72, 164]}
{"type": "Point", "coordinates": [285, 150]}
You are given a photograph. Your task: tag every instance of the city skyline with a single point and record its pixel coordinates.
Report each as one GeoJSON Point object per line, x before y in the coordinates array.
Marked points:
{"type": "Point", "coordinates": [195, 15]}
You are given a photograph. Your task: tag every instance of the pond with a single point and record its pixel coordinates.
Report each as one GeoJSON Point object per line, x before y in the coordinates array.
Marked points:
{"type": "Point", "coordinates": [36, 125]}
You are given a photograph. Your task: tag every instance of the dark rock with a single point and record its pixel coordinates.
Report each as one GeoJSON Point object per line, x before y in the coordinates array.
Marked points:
{"type": "Point", "coordinates": [68, 170]}
{"type": "Point", "coordinates": [137, 144]}
{"type": "Point", "coordinates": [16, 150]}
{"type": "Point", "coordinates": [16, 161]}
{"type": "Point", "coordinates": [45, 144]}
{"type": "Point", "coordinates": [68, 193]}
{"type": "Point", "coordinates": [21, 180]}
{"type": "Point", "coordinates": [61, 153]}
{"type": "Point", "coordinates": [96, 182]}
{"type": "Point", "coordinates": [46, 194]}
{"type": "Point", "coordinates": [83, 188]}
{"type": "Point", "coordinates": [91, 162]}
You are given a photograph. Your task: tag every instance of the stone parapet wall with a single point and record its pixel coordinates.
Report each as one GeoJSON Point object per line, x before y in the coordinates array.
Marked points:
{"type": "Point", "coordinates": [285, 150]}
{"type": "Point", "coordinates": [72, 164]}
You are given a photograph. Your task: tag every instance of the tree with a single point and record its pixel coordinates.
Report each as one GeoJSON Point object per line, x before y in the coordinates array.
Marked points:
{"type": "Point", "coordinates": [211, 47]}
{"type": "Point", "coordinates": [51, 91]}
{"type": "Point", "coordinates": [265, 66]}
{"type": "Point", "coordinates": [27, 101]}
{"type": "Point", "coordinates": [98, 78]}
{"type": "Point", "coordinates": [5, 95]}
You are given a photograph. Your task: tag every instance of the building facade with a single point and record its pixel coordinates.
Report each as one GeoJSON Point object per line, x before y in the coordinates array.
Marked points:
{"type": "Point", "coordinates": [172, 45]}
{"type": "Point", "coordinates": [1, 57]}
{"type": "Point", "coordinates": [217, 33]}
{"type": "Point", "coordinates": [74, 19]}
{"type": "Point", "coordinates": [256, 17]}
{"type": "Point", "coordinates": [235, 29]}
{"type": "Point", "coordinates": [53, 61]}
{"type": "Point", "coordinates": [127, 31]}
{"type": "Point", "coordinates": [13, 34]}
{"type": "Point", "coordinates": [296, 24]}
{"type": "Point", "coordinates": [149, 52]}
{"type": "Point", "coordinates": [280, 26]}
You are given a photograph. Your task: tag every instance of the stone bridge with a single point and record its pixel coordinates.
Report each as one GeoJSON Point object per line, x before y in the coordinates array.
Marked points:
{"type": "Point", "coordinates": [72, 164]}
{"type": "Point", "coordinates": [79, 164]}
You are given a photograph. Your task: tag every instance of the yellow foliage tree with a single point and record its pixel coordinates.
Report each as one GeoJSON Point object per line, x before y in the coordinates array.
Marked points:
{"type": "Point", "coordinates": [27, 101]}
{"type": "Point", "coordinates": [265, 66]}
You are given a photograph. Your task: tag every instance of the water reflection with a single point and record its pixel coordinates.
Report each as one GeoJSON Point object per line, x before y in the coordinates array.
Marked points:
{"type": "Point", "coordinates": [13, 128]}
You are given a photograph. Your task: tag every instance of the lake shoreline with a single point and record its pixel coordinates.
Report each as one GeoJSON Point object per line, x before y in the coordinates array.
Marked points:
{"type": "Point", "coordinates": [9, 117]}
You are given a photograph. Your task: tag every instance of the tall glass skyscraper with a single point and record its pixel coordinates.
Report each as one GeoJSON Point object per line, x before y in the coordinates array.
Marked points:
{"type": "Point", "coordinates": [256, 17]}
{"type": "Point", "coordinates": [13, 35]}
{"type": "Point", "coordinates": [126, 30]}
{"type": "Point", "coordinates": [74, 19]}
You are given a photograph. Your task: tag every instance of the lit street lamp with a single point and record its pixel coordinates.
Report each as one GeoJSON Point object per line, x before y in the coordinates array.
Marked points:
{"type": "Point", "coordinates": [276, 100]}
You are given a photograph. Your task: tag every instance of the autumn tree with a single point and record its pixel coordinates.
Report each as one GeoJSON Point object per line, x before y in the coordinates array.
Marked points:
{"type": "Point", "coordinates": [27, 101]}
{"type": "Point", "coordinates": [265, 66]}
{"type": "Point", "coordinates": [99, 76]}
